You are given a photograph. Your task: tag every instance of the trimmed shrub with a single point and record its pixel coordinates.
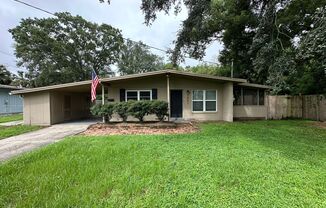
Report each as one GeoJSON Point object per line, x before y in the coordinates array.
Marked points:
{"type": "Point", "coordinates": [122, 110]}
{"type": "Point", "coordinates": [139, 109]}
{"type": "Point", "coordinates": [159, 108]}
{"type": "Point", "coordinates": [96, 110]}
{"type": "Point", "coordinates": [105, 110]}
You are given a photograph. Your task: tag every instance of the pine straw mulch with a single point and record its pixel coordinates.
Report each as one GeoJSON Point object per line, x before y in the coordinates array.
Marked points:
{"type": "Point", "coordinates": [101, 129]}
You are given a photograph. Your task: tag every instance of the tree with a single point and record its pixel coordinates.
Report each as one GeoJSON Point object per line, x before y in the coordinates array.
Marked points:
{"type": "Point", "coordinates": [210, 70]}
{"type": "Point", "coordinates": [21, 80]}
{"type": "Point", "coordinates": [255, 33]}
{"type": "Point", "coordinates": [312, 56]}
{"type": "Point", "coordinates": [230, 21]}
{"type": "Point", "coordinates": [136, 58]}
{"type": "Point", "coordinates": [65, 48]}
{"type": "Point", "coordinates": [283, 73]}
{"type": "Point", "coordinates": [5, 75]}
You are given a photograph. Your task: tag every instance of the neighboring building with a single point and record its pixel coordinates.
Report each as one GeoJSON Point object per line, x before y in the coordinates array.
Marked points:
{"type": "Point", "coordinates": [10, 104]}
{"type": "Point", "coordinates": [190, 96]}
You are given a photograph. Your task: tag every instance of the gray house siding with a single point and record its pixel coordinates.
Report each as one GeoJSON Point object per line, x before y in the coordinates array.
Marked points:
{"type": "Point", "coordinates": [10, 103]}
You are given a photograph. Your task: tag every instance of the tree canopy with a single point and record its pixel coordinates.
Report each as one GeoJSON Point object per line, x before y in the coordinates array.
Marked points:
{"type": "Point", "coordinates": [311, 56]}
{"type": "Point", "coordinates": [5, 75]}
{"type": "Point", "coordinates": [65, 48]}
{"type": "Point", "coordinates": [137, 58]}
{"type": "Point", "coordinates": [214, 70]}
{"type": "Point", "coordinates": [275, 42]}
{"type": "Point", "coordinates": [260, 37]}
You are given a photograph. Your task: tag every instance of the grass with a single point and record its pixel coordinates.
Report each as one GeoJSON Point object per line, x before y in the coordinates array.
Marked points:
{"type": "Point", "coordinates": [14, 117]}
{"type": "Point", "coordinates": [15, 130]}
{"type": "Point", "coordinates": [241, 164]}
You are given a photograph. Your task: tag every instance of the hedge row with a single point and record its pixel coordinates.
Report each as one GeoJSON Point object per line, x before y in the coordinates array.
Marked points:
{"type": "Point", "coordinates": [137, 109]}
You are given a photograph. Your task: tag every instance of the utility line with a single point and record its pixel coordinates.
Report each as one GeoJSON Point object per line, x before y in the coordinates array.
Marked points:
{"type": "Point", "coordinates": [35, 7]}
{"type": "Point", "coordinates": [8, 65]}
{"type": "Point", "coordinates": [159, 49]}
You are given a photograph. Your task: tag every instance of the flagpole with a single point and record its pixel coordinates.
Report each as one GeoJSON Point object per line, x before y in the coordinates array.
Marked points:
{"type": "Point", "coordinates": [103, 118]}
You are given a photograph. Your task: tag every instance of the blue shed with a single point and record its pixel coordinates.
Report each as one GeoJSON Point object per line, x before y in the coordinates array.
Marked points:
{"type": "Point", "coordinates": [10, 103]}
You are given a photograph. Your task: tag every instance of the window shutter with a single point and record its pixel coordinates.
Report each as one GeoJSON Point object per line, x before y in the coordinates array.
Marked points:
{"type": "Point", "coordinates": [122, 95]}
{"type": "Point", "coordinates": [154, 94]}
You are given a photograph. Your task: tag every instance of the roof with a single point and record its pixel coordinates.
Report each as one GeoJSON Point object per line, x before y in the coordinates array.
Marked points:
{"type": "Point", "coordinates": [255, 85]}
{"type": "Point", "coordinates": [10, 87]}
{"type": "Point", "coordinates": [132, 76]}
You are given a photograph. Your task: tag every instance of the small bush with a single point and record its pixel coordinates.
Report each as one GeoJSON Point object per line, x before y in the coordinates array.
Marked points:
{"type": "Point", "coordinates": [96, 110]}
{"type": "Point", "coordinates": [122, 110]}
{"type": "Point", "coordinates": [159, 108]}
{"type": "Point", "coordinates": [139, 109]}
{"type": "Point", "coordinates": [105, 110]}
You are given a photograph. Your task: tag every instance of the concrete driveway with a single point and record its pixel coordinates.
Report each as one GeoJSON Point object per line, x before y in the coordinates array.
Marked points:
{"type": "Point", "coordinates": [19, 144]}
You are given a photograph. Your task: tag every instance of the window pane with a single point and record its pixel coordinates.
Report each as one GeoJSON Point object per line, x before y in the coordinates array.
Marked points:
{"type": "Point", "coordinates": [132, 95]}
{"type": "Point", "coordinates": [210, 95]}
{"type": "Point", "coordinates": [261, 97]}
{"type": "Point", "coordinates": [237, 96]}
{"type": "Point", "coordinates": [197, 95]}
{"type": "Point", "coordinates": [144, 95]}
{"type": "Point", "coordinates": [197, 106]}
{"type": "Point", "coordinates": [250, 96]}
{"type": "Point", "coordinates": [210, 105]}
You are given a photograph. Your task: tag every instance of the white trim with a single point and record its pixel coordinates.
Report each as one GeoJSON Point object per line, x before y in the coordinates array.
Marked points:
{"type": "Point", "coordinates": [138, 94]}
{"type": "Point", "coordinates": [204, 101]}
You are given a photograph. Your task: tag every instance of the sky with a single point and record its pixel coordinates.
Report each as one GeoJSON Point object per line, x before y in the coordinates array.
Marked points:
{"type": "Point", "coordinates": [122, 14]}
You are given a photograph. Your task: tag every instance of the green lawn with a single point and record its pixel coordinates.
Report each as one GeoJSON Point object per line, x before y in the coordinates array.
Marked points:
{"type": "Point", "coordinates": [15, 130]}
{"type": "Point", "coordinates": [14, 117]}
{"type": "Point", "coordinates": [241, 164]}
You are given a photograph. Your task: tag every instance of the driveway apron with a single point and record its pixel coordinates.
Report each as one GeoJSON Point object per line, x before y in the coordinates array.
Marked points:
{"type": "Point", "coordinates": [16, 145]}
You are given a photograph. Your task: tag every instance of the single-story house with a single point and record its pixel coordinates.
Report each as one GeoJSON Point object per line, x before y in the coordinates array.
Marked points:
{"type": "Point", "coordinates": [10, 104]}
{"type": "Point", "coordinates": [190, 97]}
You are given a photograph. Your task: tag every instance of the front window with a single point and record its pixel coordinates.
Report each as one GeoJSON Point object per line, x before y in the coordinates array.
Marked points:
{"type": "Point", "coordinates": [204, 100]}
{"type": "Point", "coordinates": [144, 95]}
{"type": "Point", "coordinates": [132, 95]}
{"type": "Point", "coordinates": [198, 100]}
{"type": "Point", "coordinates": [138, 95]}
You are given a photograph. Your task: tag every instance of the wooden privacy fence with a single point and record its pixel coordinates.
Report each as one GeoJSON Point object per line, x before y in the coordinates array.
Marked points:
{"type": "Point", "coordinates": [299, 106]}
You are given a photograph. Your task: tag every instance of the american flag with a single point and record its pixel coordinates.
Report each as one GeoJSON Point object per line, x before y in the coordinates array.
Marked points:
{"type": "Point", "coordinates": [95, 82]}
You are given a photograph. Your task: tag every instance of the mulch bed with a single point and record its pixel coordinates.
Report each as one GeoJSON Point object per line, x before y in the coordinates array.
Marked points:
{"type": "Point", "coordinates": [140, 128]}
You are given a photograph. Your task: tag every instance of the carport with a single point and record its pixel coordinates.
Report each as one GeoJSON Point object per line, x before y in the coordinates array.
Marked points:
{"type": "Point", "coordinates": [57, 103]}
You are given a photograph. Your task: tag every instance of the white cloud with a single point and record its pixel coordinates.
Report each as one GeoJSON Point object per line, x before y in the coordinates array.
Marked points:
{"type": "Point", "coordinates": [122, 14]}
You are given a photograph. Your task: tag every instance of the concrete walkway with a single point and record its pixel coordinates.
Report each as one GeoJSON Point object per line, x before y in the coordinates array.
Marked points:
{"type": "Point", "coordinates": [11, 123]}
{"type": "Point", "coordinates": [19, 144]}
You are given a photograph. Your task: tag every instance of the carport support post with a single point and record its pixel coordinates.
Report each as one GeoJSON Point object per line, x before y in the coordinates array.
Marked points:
{"type": "Point", "coordinates": [168, 94]}
{"type": "Point", "coordinates": [103, 118]}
